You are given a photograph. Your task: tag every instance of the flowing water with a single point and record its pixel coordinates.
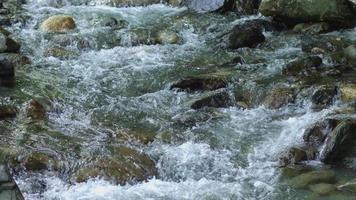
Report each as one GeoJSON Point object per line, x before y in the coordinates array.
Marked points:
{"type": "Point", "coordinates": [112, 84]}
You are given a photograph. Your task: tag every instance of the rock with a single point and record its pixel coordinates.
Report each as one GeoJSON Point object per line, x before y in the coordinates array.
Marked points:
{"type": "Point", "coordinates": [247, 7]}
{"type": "Point", "coordinates": [279, 97]}
{"type": "Point", "coordinates": [3, 46]}
{"type": "Point", "coordinates": [348, 187]}
{"type": "Point", "coordinates": [65, 40]}
{"type": "Point", "coordinates": [336, 12]}
{"type": "Point", "coordinates": [298, 65]}
{"type": "Point", "coordinates": [5, 32]}
{"type": "Point", "coordinates": [14, 59]}
{"type": "Point", "coordinates": [296, 155]}
{"type": "Point", "coordinates": [36, 111]}
{"type": "Point", "coordinates": [350, 54]}
{"type": "Point", "coordinates": [323, 97]}
{"type": "Point", "coordinates": [313, 29]}
{"type": "Point", "coordinates": [323, 189]}
{"type": "Point", "coordinates": [7, 68]}
{"type": "Point", "coordinates": [324, 43]}
{"type": "Point", "coordinates": [168, 37]}
{"type": "Point", "coordinates": [291, 171]}
{"type": "Point", "coordinates": [12, 45]}
{"type": "Point", "coordinates": [216, 100]}
{"type": "Point", "coordinates": [37, 161]}
{"type": "Point", "coordinates": [314, 177]}
{"type": "Point", "coordinates": [316, 134]}
{"type": "Point", "coordinates": [348, 92]}
{"type": "Point", "coordinates": [175, 2]}
{"type": "Point", "coordinates": [339, 142]}
{"type": "Point", "coordinates": [125, 3]}
{"type": "Point", "coordinates": [203, 6]}
{"type": "Point", "coordinates": [8, 112]}
{"type": "Point", "coordinates": [200, 83]}
{"type": "Point", "coordinates": [128, 166]}
{"type": "Point", "coordinates": [248, 34]}
{"type": "Point", "coordinates": [140, 136]}
{"type": "Point", "coordinates": [60, 52]}
{"type": "Point", "coordinates": [58, 23]}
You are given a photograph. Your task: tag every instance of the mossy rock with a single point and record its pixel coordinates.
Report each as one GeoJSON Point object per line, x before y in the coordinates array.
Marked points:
{"type": "Point", "coordinates": [314, 177]}
{"type": "Point", "coordinates": [58, 23]}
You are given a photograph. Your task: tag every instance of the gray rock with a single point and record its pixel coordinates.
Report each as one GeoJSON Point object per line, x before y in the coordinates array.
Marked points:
{"type": "Point", "coordinates": [326, 43]}
{"type": "Point", "coordinates": [316, 134]}
{"type": "Point", "coordinates": [279, 97]}
{"type": "Point", "coordinates": [3, 46]}
{"type": "Point", "coordinates": [323, 97]}
{"type": "Point", "coordinates": [315, 28]}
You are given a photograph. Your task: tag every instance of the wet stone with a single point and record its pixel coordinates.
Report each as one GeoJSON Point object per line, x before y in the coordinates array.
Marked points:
{"type": "Point", "coordinates": [200, 83]}
{"type": "Point", "coordinates": [325, 43]}
{"type": "Point", "coordinates": [217, 100]}
{"type": "Point", "coordinates": [35, 110]}
{"type": "Point", "coordinates": [4, 176]}
{"type": "Point", "coordinates": [299, 65]}
{"type": "Point", "coordinates": [37, 161]}
{"type": "Point", "coordinates": [248, 34]}
{"type": "Point", "coordinates": [323, 97]}
{"type": "Point", "coordinates": [7, 112]}
{"type": "Point", "coordinates": [316, 28]}
{"type": "Point", "coordinates": [58, 23]}
{"type": "Point", "coordinates": [315, 135]}
{"type": "Point", "coordinates": [279, 97]}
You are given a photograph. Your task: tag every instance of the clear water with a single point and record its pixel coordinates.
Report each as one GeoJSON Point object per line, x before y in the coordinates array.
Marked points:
{"type": "Point", "coordinates": [112, 86]}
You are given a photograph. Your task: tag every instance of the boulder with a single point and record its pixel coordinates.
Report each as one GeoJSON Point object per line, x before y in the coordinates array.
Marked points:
{"type": "Point", "coordinates": [337, 12]}
{"type": "Point", "coordinates": [314, 177]}
{"type": "Point", "coordinates": [323, 97]}
{"type": "Point", "coordinates": [348, 187]}
{"type": "Point", "coordinates": [248, 34]}
{"type": "Point", "coordinates": [279, 97]}
{"type": "Point", "coordinates": [7, 44]}
{"type": "Point", "coordinates": [127, 166]}
{"type": "Point", "coordinates": [200, 83]}
{"type": "Point", "coordinates": [216, 100]}
{"type": "Point", "coordinates": [315, 135]}
{"type": "Point", "coordinates": [58, 23]}
{"type": "Point", "coordinates": [7, 112]}
{"type": "Point", "coordinates": [323, 189]}
{"type": "Point", "coordinates": [302, 64]}
{"type": "Point", "coordinates": [60, 52]}
{"type": "Point", "coordinates": [36, 111]}
{"type": "Point", "coordinates": [348, 92]}
{"type": "Point", "coordinates": [314, 28]}
{"type": "Point", "coordinates": [339, 143]}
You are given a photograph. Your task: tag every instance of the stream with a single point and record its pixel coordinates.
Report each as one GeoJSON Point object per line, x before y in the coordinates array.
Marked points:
{"type": "Point", "coordinates": [113, 83]}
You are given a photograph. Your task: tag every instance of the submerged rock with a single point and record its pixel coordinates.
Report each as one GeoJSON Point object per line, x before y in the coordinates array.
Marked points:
{"type": "Point", "coordinates": [8, 112]}
{"type": "Point", "coordinates": [314, 177]}
{"type": "Point", "coordinates": [58, 23]}
{"type": "Point", "coordinates": [323, 189]}
{"type": "Point", "coordinates": [128, 165]}
{"type": "Point", "coordinates": [339, 143]}
{"type": "Point", "coordinates": [168, 37]}
{"type": "Point", "coordinates": [216, 100]}
{"type": "Point", "coordinates": [200, 83]}
{"type": "Point", "coordinates": [348, 187]}
{"type": "Point", "coordinates": [279, 97]}
{"type": "Point", "coordinates": [314, 28]}
{"type": "Point", "coordinates": [325, 43]}
{"type": "Point", "coordinates": [36, 111]}
{"type": "Point", "coordinates": [60, 52]}
{"type": "Point", "coordinates": [298, 65]}
{"type": "Point", "coordinates": [296, 11]}
{"type": "Point", "coordinates": [124, 3]}
{"type": "Point", "coordinates": [248, 34]}
{"type": "Point", "coordinates": [37, 161]}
